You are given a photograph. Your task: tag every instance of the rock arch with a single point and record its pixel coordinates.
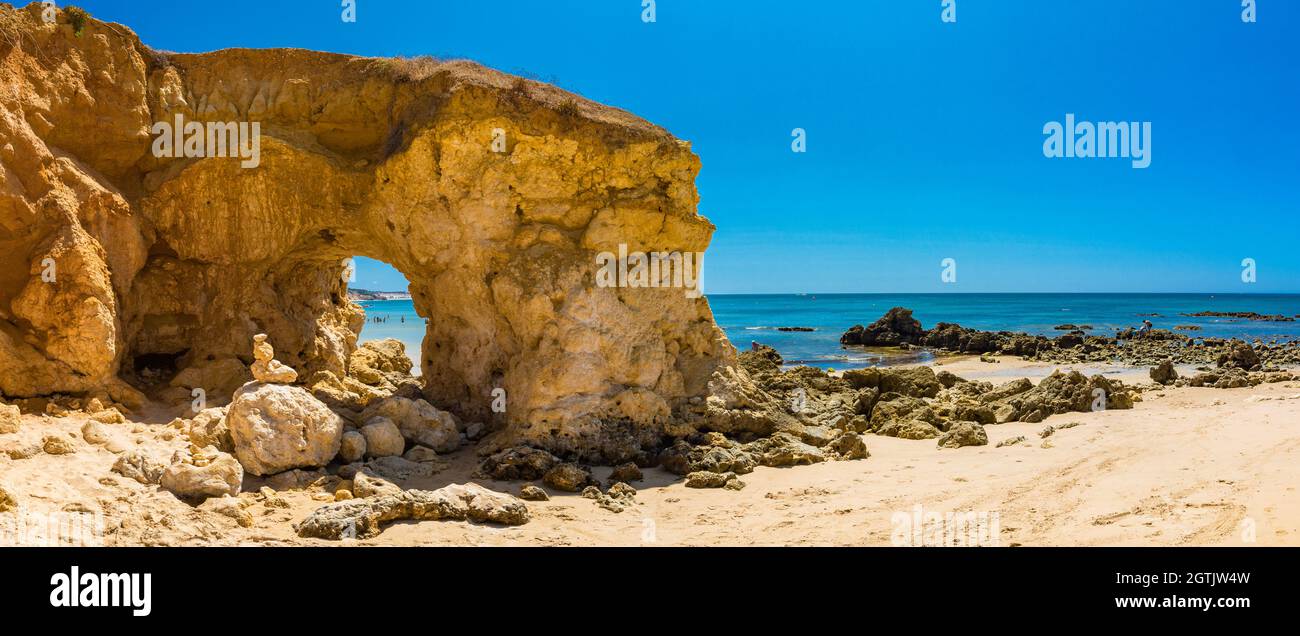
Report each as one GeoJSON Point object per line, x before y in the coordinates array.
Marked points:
{"type": "Point", "coordinates": [392, 159]}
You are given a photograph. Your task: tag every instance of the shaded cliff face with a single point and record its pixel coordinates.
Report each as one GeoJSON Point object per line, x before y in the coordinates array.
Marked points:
{"type": "Point", "coordinates": [491, 194]}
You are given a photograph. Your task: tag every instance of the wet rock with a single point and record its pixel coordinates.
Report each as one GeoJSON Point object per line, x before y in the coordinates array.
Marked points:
{"type": "Point", "coordinates": [964, 434]}
{"type": "Point", "coordinates": [203, 473]}
{"type": "Point", "coordinates": [364, 518]}
{"type": "Point", "coordinates": [275, 427]}
{"type": "Point", "coordinates": [518, 463]}
{"type": "Point", "coordinates": [383, 439]}
{"type": "Point", "coordinates": [529, 492]}
{"type": "Point", "coordinates": [568, 477]}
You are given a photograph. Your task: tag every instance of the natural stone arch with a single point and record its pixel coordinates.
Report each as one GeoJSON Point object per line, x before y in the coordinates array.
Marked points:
{"type": "Point", "coordinates": [388, 159]}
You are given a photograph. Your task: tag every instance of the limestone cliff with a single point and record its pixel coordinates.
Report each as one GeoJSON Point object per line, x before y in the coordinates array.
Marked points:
{"type": "Point", "coordinates": [113, 258]}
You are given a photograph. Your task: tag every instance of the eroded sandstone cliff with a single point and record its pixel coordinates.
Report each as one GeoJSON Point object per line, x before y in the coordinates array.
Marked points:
{"type": "Point", "coordinates": [114, 260]}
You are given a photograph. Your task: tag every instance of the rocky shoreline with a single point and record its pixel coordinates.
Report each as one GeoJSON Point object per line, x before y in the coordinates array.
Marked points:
{"type": "Point", "coordinates": [898, 328]}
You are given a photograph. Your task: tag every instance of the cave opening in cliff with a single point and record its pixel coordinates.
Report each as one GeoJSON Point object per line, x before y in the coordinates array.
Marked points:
{"type": "Point", "coordinates": [384, 293]}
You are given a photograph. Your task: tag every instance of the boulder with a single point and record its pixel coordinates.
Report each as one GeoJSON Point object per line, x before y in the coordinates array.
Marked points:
{"type": "Point", "coordinates": [627, 472]}
{"type": "Point", "coordinates": [896, 327]}
{"type": "Point", "coordinates": [908, 429]}
{"type": "Point", "coordinates": [1240, 356]}
{"type": "Point", "coordinates": [918, 382]}
{"type": "Point", "coordinates": [530, 492]}
{"type": "Point", "coordinates": [681, 458]}
{"type": "Point", "coordinates": [378, 362]}
{"type": "Point", "coordinates": [352, 447]}
{"type": "Point", "coordinates": [518, 463]}
{"type": "Point", "coordinates": [276, 427]}
{"type": "Point", "coordinates": [418, 421]}
{"type": "Point", "coordinates": [568, 477]}
{"type": "Point", "coordinates": [964, 434]}
{"type": "Point", "coordinates": [203, 473]}
{"type": "Point", "coordinates": [383, 439]}
{"type": "Point", "coordinates": [783, 449]}
{"type": "Point", "coordinates": [707, 479]}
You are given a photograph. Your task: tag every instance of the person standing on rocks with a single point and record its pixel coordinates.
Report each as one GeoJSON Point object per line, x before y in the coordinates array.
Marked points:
{"type": "Point", "coordinates": [1145, 329]}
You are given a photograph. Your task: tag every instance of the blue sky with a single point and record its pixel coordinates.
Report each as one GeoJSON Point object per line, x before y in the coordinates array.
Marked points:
{"type": "Point", "coordinates": [924, 138]}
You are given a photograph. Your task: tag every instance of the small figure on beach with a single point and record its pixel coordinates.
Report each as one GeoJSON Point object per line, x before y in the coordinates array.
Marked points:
{"type": "Point", "coordinates": [1145, 328]}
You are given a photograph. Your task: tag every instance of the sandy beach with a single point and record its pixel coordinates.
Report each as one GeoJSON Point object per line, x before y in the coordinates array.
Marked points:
{"type": "Point", "coordinates": [1186, 466]}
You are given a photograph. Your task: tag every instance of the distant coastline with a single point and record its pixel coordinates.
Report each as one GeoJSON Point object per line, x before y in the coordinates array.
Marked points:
{"type": "Point", "coordinates": [366, 294]}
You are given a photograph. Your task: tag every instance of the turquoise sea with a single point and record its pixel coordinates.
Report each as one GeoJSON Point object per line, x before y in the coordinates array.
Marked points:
{"type": "Point", "coordinates": [755, 318]}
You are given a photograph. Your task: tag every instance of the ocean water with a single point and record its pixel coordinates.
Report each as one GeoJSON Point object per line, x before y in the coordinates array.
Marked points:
{"type": "Point", "coordinates": [755, 318]}
{"type": "Point", "coordinates": [399, 321]}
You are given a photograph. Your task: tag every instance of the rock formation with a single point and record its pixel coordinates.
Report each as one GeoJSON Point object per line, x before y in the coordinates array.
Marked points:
{"type": "Point", "coordinates": [265, 367]}
{"type": "Point", "coordinates": [124, 260]}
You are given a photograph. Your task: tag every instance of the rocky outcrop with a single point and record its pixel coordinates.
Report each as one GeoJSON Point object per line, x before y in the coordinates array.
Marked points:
{"type": "Point", "coordinates": [276, 427]}
{"type": "Point", "coordinates": [494, 195]}
{"type": "Point", "coordinates": [364, 518]}
{"type": "Point", "coordinates": [896, 327]}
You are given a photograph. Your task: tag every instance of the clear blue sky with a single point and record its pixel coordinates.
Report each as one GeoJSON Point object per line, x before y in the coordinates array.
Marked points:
{"type": "Point", "coordinates": [924, 138]}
